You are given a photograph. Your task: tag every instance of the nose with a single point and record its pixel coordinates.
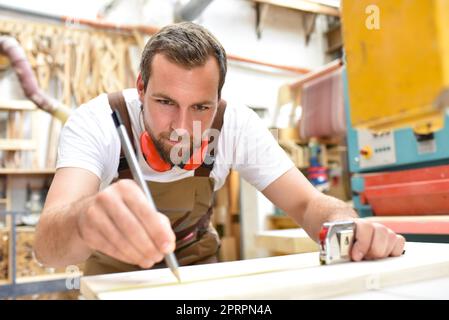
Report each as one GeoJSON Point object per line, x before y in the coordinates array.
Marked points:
{"type": "Point", "coordinates": [183, 121]}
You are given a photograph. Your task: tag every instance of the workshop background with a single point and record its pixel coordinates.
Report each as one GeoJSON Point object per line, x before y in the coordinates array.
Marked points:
{"type": "Point", "coordinates": [332, 106]}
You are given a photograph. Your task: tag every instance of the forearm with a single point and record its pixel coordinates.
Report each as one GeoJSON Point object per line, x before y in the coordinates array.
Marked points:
{"type": "Point", "coordinates": [323, 208]}
{"type": "Point", "coordinates": [57, 242]}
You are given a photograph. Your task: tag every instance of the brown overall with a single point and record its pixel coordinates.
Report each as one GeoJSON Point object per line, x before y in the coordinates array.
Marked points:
{"type": "Point", "coordinates": [186, 202]}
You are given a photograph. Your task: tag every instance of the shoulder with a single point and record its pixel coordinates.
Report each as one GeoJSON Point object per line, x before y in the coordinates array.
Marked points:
{"type": "Point", "coordinates": [93, 110]}
{"type": "Point", "coordinates": [238, 114]}
{"type": "Point", "coordinates": [240, 119]}
{"type": "Point", "coordinates": [98, 108]}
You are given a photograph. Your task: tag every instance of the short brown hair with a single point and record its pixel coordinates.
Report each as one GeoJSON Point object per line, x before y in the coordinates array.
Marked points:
{"type": "Point", "coordinates": [186, 44]}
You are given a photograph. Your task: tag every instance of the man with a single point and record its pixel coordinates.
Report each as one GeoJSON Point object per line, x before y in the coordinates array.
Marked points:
{"type": "Point", "coordinates": [112, 227]}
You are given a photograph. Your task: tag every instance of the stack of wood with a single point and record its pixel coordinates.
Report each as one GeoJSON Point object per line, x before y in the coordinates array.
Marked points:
{"type": "Point", "coordinates": [84, 62]}
{"type": "Point", "coordinates": [75, 64]}
{"type": "Point", "coordinates": [26, 264]}
{"type": "Point", "coordinates": [3, 255]}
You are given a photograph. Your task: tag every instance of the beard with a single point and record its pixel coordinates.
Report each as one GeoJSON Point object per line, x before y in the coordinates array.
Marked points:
{"type": "Point", "coordinates": [176, 154]}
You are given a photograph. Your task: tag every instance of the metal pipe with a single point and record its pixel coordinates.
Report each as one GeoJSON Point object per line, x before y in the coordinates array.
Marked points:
{"type": "Point", "coordinates": [145, 29]}
{"type": "Point", "coordinates": [30, 13]}
{"type": "Point", "coordinates": [12, 49]}
{"type": "Point", "coordinates": [191, 10]}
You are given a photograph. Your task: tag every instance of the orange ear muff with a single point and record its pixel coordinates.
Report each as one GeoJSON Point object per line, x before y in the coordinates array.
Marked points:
{"type": "Point", "coordinates": [151, 154]}
{"type": "Point", "coordinates": [197, 159]}
{"type": "Point", "coordinates": [155, 161]}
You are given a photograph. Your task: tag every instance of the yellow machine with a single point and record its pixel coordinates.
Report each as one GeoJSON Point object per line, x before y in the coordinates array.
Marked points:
{"type": "Point", "coordinates": [397, 55]}
{"type": "Point", "coordinates": [396, 96]}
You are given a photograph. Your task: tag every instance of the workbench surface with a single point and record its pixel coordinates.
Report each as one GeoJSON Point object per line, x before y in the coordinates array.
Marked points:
{"type": "Point", "coordinates": [285, 277]}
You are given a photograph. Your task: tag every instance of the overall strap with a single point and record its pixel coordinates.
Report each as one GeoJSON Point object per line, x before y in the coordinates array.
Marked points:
{"type": "Point", "coordinates": [118, 103]}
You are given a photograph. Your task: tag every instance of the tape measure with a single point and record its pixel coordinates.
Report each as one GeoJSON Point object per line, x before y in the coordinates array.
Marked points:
{"type": "Point", "coordinates": [336, 239]}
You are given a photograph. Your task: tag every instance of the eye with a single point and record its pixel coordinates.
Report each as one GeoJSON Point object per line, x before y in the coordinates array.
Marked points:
{"type": "Point", "coordinates": [164, 102]}
{"type": "Point", "coordinates": [201, 107]}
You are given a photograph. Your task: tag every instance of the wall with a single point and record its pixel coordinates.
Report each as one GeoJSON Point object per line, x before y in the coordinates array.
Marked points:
{"type": "Point", "coordinates": [233, 23]}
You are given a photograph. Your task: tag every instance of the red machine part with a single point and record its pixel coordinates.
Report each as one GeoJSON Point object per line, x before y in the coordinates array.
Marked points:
{"type": "Point", "coordinates": [408, 192]}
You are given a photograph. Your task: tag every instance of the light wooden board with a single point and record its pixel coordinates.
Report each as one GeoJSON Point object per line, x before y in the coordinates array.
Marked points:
{"type": "Point", "coordinates": [16, 105]}
{"type": "Point", "coordinates": [303, 5]}
{"type": "Point", "coordinates": [286, 241]}
{"type": "Point", "coordinates": [17, 144]}
{"type": "Point", "coordinates": [287, 277]}
{"type": "Point", "coordinates": [20, 171]}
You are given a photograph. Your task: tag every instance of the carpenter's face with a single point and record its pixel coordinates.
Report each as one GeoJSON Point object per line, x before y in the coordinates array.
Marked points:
{"type": "Point", "coordinates": [176, 98]}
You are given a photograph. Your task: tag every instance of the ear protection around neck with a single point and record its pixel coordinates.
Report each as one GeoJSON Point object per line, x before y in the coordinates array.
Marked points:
{"type": "Point", "coordinates": [155, 161]}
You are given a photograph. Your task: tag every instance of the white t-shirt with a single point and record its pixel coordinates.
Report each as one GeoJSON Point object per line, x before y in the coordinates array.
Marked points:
{"type": "Point", "coordinates": [90, 141]}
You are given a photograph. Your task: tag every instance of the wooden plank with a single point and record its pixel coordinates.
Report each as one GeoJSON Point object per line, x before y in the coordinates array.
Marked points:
{"type": "Point", "coordinates": [48, 277]}
{"type": "Point", "coordinates": [304, 5]}
{"type": "Point", "coordinates": [93, 286]}
{"type": "Point", "coordinates": [6, 171]}
{"type": "Point", "coordinates": [17, 144]}
{"type": "Point", "coordinates": [285, 277]}
{"type": "Point", "coordinates": [4, 282]}
{"type": "Point", "coordinates": [436, 289]}
{"type": "Point", "coordinates": [286, 241]}
{"type": "Point", "coordinates": [281, 222]}
{"type": "Point", "coordinates": [16, 105]}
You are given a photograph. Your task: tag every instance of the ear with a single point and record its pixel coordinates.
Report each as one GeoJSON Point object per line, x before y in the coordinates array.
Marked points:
{"type": "Point", "coordinates": [222, 103]}
{"type": "Point", "coordinates": [140, 87]}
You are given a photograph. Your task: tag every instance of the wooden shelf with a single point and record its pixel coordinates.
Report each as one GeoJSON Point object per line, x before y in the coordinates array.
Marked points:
{"type": "Point", "coordinates": [42, 277]}
{"type": "Point", "coordinates": [304, 5]}
{"type": "Point", "coordinates": [8, 171]}
{"type": "Point", "coordinates": [48, 277]}
{"type": "Point", "coordinates": [287, 241]}
{"type": "Point", "coordinates": [17, 105]}
{"type": "Point", "coordinates": [19, 229]}
{"type": "Point", "coordinates": [17, 144]}
{"type": "Point", "coordinates": [281, 222]}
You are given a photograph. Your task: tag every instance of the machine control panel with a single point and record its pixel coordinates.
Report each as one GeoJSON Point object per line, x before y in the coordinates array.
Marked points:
{"type": "Point", "coordinates": [376, 148]}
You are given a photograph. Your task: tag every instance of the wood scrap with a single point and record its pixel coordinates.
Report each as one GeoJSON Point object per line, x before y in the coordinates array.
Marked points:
{"type": "Point", "coordinates": [27, 265]}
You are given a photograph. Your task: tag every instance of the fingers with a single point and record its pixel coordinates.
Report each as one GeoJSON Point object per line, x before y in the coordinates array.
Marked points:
{"type": "Point", "coordinates": [96, 240]}
{"type": "Point", "coordinates": [363, 238]}
{"type": "Point", "coordinates": [121, 223]}
{"type": "Point", "coordinates": [379, 242]}
{"type": "Point", "coordinates": [102, 245]}
{"type": "Point", "coordinates": [156, 225]}
{"type": "Point", "coordinates": [132, 232]}
{"type": "Point", "coordinates": [399, 246]}
{"type": "Point", "coordinates": [375, 241]}
{"type": "Point", "coordinates": [391, 242]}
